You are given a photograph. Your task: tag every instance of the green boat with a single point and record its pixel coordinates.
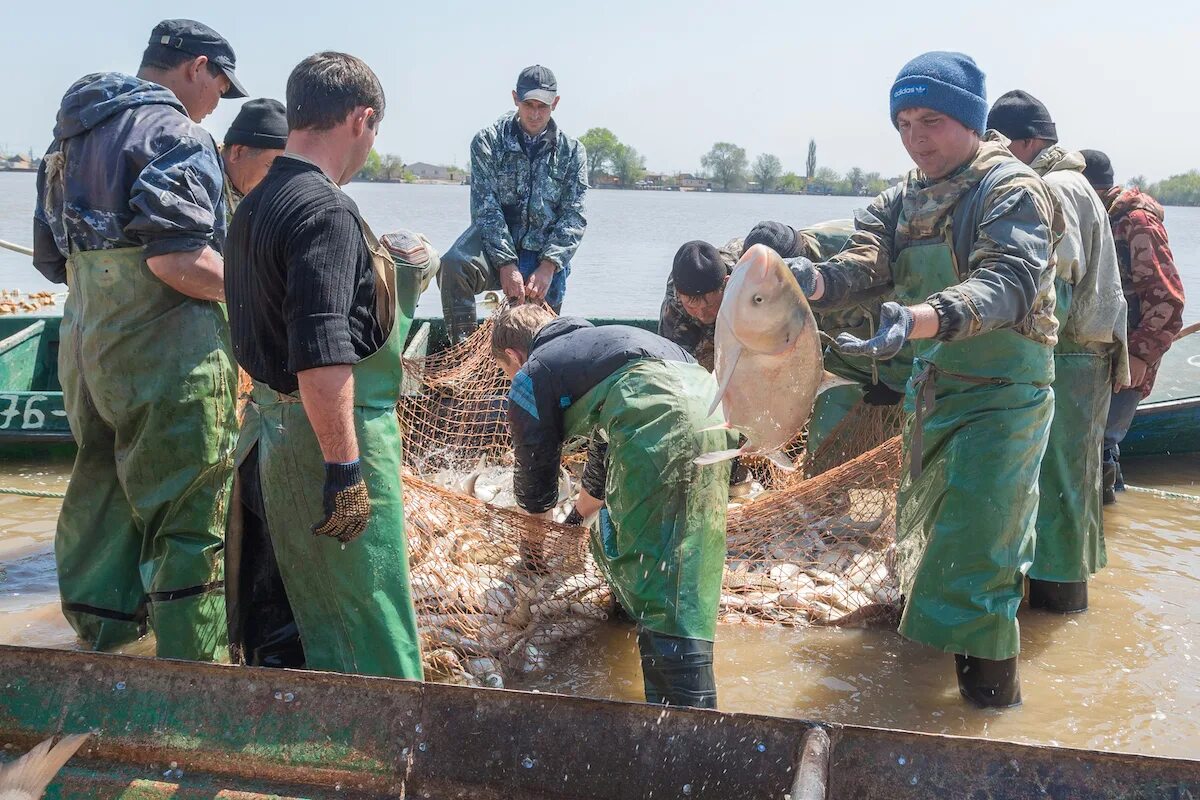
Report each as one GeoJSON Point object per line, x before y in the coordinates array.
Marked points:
{"type": "Point", "coordinates": [32, 419]}
{"type": "Point", "coordinates": [173, 729]}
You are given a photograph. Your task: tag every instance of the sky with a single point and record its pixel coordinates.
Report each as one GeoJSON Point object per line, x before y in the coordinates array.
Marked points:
{"type": "Point", "coordinates": [668, 77]}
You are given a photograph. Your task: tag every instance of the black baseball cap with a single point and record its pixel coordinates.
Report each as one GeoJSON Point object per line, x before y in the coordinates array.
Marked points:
{"type": "Point", "coordinates": [200, 40]}
{"type": "Point", "coordinates": [698, 269]}
{"type": "Point", "coordinates": [260, 123]}
{"type": "Point", "coordinates": [537, 83]}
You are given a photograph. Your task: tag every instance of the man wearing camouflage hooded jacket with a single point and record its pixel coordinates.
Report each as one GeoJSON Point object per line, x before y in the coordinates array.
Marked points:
{"type": "Point", "coordinates": [528, 181]}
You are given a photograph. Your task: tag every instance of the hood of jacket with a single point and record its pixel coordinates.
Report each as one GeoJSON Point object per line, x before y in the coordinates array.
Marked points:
{"type": "Point", "coordinates": [1128, 200]}
{"type": "Point", "coordinates": [95, 98]}
{"type": "Point", "coordinates": [555, 328]}
{"type": "Point", "coordinates": [1056, 158]}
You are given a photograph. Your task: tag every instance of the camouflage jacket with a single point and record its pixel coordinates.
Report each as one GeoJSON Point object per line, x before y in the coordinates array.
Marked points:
{"type": "Point", "coordinates": [1003, 242]}
{"type": "Point", "coordinates": [816, 243]}
{"type": "Point", "coordinates": [1086, 261]}
{"type": "Point", "coordinates": [523, 204]}
{"type": "Point", "coordinates": [1148, 276]}
{"type": "Point", "coordinates": [127, 168]}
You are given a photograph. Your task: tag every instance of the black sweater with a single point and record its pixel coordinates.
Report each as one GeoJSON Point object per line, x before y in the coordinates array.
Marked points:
{"type": "Point", "coordinates": [298, 277]}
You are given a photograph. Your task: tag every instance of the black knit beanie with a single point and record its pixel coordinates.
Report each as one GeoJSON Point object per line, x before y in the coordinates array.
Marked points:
{"type": "Point", "coordinates": [1020, 115]}
{"type": "Point", "coordinates": [698, 269]}
{"type": "Point", "coordinates": [1098, 169]}
{"type": "Point", "coordinates": [260, 123]}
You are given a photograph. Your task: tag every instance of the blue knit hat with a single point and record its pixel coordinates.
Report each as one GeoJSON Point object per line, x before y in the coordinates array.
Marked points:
{"type": "Point", "coordinates": [948, 82]}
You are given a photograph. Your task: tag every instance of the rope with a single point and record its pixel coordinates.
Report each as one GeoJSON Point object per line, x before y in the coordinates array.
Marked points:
{"type": "Point", "coordinates": [31, 492]}
{"type": "Point", "coordinates": [1163, 493]}
{"type": "Point", "coordinates": [16, 248]}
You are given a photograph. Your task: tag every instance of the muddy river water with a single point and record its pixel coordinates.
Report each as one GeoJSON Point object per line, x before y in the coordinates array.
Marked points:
{"type": "Point", "coordinates": [1123, 676]}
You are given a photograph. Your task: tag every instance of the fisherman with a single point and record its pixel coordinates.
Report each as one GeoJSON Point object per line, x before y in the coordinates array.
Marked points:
{"type": "Point", "coordinates": [319, 325]}
{"type": "Point", "coordinates": [876, 383]}
{"type": "Point", "coordinates": [1153, 292]}
{"type": "Point", "coordinates": [965, 244]}
{"type": "Point", "coordinates": [130, 214]}
{"type": "Point", "coordinates": [528, 180]}
{"type": "Point", "coordinates": [1090, 360]}
{"type": "Point", "coordinates": [258, 134]}
{"type": "Point", "coordinates": [660, 536]}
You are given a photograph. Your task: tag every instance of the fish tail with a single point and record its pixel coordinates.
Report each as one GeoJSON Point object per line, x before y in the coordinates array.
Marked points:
{"type": "Point", "coordinates": [28, 776]}
{"type": "Point", "coordinates": [717, 456]}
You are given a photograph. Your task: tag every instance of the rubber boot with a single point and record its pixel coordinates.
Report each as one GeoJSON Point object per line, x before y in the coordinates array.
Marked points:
{"type": "Point", "coordinates": [1108, 479]}
{"type": "Point", "coordinates": [1061, 598]}
{"type": "Point", "coordinates": [988, 683]}
{"type": "Point", "coordinates": [677, 671]}
{"type": "Point", "coordinates": [460, 324]}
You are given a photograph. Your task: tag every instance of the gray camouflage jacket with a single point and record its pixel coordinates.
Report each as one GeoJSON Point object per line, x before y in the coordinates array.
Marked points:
{"type": "Point", "coordinates": [523, 204]}
{"type": "Point", "coordinates": [1003, 242]}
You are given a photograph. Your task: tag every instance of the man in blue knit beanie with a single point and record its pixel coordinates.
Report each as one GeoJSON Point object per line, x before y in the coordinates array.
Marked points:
{"type": "Point", "coordinates": [963, 246]}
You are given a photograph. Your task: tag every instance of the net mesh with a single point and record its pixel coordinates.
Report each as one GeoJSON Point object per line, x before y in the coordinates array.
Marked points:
{"type": "Point", "coordinates": [498, 591]}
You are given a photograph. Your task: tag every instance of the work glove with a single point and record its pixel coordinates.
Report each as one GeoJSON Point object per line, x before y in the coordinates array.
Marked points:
{"type": "Point", "coordinates": [347, 506]}
{"type": "Point", "coordinates": [895, 324]}
{"type": "Point", "coordinates": [781, 238]}
{"type": "Point", "coordinates": [805, 273]}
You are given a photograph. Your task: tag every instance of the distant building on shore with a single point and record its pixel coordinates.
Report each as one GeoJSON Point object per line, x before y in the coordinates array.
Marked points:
{"type": "Point", "coordinates": [689, 181]}
{"type": "Point", "coordinates": [18, 164]}
{"type": "Point", "coordinates": [433, 172]}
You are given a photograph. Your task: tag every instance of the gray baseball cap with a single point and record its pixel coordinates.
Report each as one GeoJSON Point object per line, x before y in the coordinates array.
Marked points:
{"type": "Point", "coordinates": [537, 83]}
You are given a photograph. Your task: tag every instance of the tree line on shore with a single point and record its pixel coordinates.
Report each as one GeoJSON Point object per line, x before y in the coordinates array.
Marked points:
{"type": "Point", "coordinates": [727, 168]}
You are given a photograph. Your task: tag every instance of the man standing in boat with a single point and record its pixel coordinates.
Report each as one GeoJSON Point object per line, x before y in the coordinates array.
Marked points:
{"type": "Point", "coordinates": [319, 324]}
{"type": "Point", "coordinates": [965, 244]}
{"type": "Point", "coordinates": [1153, 291]}
{"type": "Point", "coordinates": [130, 214]}
{"type": "Point", "coordinates": [257, 136]}
{"type": "Point", "coordinates": [528, 181]}
{"type": "Point", "coordinates": [1091, 361]}
{"type": "Point", "coordinates": [660, 534]}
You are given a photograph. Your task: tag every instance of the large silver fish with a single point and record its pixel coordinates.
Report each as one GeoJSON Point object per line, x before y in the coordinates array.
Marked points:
{"type": "Point", "coordinates": [28, 776]}
{"type": "Point", "coordinates": [768, 357]}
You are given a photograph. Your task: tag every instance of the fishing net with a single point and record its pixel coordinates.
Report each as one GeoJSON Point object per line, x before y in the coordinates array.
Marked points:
{"type": "Point", "coordinates": [498, 591]}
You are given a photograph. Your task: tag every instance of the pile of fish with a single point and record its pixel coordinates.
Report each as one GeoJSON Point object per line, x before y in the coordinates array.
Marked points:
{"type": "Point", "coordinates": [481, 610]}
{"type": "Point", "coordinates": [14, 301]}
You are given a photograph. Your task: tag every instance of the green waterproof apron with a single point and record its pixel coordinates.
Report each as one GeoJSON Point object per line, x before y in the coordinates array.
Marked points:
{"type": "Point", "coordinates": [148, 384]}
{"type": "Point", "coordinates": [351, 602]}
{"type": "Point", "coordinates": [660, 539]}
{"type": "Point", "coordinates": [965, 530]}
{"type": "Point", "coordinates": [1070, 536]}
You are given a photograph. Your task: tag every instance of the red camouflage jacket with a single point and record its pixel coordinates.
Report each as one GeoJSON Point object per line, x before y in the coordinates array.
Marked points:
{"type": "Point", "coordinates": [1148, 277]}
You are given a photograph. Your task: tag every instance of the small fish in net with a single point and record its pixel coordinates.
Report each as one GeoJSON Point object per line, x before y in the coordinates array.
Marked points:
{"type": "Point", "coordinates": [497, 591]}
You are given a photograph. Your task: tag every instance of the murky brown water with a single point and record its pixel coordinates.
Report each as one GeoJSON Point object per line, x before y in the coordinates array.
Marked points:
{"type": "Point", "coordinates": [1123, 676]}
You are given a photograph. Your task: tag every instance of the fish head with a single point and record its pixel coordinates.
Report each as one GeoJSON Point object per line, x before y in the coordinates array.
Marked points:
{"type": "Point", "coordinates": [763, 307]}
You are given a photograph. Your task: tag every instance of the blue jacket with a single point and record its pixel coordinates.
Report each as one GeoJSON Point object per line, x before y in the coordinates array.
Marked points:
{"type": "Point", "coordinates": [139, 173]}
{"type": "Point", "coordinates": [523, 204]}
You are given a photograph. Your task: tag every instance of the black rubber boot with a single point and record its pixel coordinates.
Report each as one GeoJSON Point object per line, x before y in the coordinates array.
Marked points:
{"type": "Point", "coordinates": [988, 683]}
{"type": "Point", "coordinates": [460, 324]}
{"type": "Point", "coordinates": [677, 671]}
{"type": "Point", "coordinates": [1061, 598]}
{"type": "Point", "coordinates": [1108, 479]}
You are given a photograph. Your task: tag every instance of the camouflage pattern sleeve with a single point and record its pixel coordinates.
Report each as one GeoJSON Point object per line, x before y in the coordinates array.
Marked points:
{"type": "Point", "coordinates": [486, 213]}
{"type": "Point", "coordinates": [1009, 274]}
{"type": "Point", "coordinates": [865, 264]}
{"type": "Point", "coordinates": [1157, 285]}
{"type": "Point", "coordinates": [178, 200]}
{"type": "Point", "coordinates": [568, 228]}
{"type": "Point", "coordinates": [47, 257]}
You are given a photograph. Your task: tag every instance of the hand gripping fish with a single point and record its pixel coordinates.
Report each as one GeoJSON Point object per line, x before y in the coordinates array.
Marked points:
{"type": "Point", "coordinates": [768, 358]}
{"type": "Point", "coordinates": [28, 776]}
